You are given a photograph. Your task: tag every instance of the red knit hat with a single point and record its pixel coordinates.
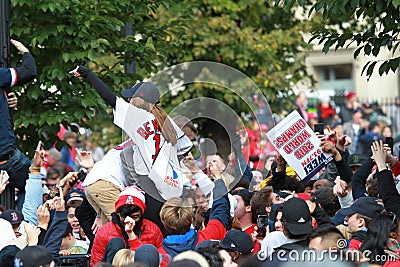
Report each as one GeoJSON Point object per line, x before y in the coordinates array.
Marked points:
{"type": "Point", "coordinates": [350, 95]}
{"type": "Point", "coordinates": [132, 195]}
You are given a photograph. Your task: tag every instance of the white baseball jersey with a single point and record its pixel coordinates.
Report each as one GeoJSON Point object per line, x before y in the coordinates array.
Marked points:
{"type": "Point", "coordinates": [109, 169]}
{"type": "Point", "coordinates": [142, 127]}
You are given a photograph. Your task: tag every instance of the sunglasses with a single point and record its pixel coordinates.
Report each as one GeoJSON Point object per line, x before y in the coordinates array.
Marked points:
{"type": "Point", "coordinates": [136, 217]}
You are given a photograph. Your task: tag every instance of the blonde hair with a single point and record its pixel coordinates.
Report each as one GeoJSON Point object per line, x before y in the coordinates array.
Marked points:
{"type": "Point", "coordinates": [176, 215]}
{"type": "Point", "coordinates": [123, 257]}
{"type": "Point", "coordinates": [166, 127]}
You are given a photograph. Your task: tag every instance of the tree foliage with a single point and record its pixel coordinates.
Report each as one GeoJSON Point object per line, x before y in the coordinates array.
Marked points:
{"type": "Point", "coordinates": [63, 34]}
{"type": "Point", "coordinates": [259, 39]}
{"type": "Point", "coordinates": [255, 37]}
{"type": "Point", "coordinates": [371, 25]}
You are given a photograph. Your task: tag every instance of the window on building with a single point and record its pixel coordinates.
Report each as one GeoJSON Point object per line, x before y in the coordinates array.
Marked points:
{"type": "Point", "coordinates": [336, 72]}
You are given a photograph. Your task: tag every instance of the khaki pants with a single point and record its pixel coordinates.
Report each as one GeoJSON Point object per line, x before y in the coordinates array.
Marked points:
{"type": "Point", "coordinates": [102, 196]}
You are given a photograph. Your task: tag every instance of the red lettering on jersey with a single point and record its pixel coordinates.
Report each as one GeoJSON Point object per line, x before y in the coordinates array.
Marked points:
{"type": "Point", "coordinates": [143, 133]}
{"type": "Point", "coordinates": [157, 139]}
{"type": "Point", "coordinates": [146, 127]}
{"type": "Point", "coordinates": [156, 126]}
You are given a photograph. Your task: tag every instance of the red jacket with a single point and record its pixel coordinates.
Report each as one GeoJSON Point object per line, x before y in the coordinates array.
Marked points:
{"type": "Point", "coordinates": [151, 234]}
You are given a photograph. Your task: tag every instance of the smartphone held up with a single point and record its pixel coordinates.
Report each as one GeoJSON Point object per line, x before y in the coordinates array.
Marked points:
{"type": "Point", "coordinates": [262, 224]}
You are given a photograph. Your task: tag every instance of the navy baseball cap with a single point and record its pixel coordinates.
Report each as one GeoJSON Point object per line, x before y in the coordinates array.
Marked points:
{"type": "Point", "coordinates": [245, 194]}
{"type": "Point", "coordinates": [366, 206]}
{"type": "Point", "coordinates": [75, 194]}
{"type": "Point", "coordinates": [129, 92]}
{"type": "Point", "coordinates": [237, 240]}
{"type": "Point", "coordinates": [13, 216]}
{"type": "Point", "coordinates": [144, 90]}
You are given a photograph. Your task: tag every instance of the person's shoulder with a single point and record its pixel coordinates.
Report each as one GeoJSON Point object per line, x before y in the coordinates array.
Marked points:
{"type": "Point", "coordinates": [107, 229]}
{"type": "Point", "coordinates": [150, 226]}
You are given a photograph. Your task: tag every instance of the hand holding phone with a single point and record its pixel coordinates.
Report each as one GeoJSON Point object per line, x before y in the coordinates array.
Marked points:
{"type": "Point", "coordinates": [389, 142]}
{"type": "Point", "coordinates": [262, 224]}
{"type": "Point", "coordinates": [319, 128]}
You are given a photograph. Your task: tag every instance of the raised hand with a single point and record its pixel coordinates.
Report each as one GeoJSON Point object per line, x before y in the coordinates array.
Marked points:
{"type": "Point", "coordinates": [98, 223]}
{"type": "Point", "coordinates": [43, 215]}
{"type": "Point", "coordinates": [328, 147]}
{"type": "Point", "coordinates": [379, 154]}
{"type": "Point", "coordinates": [79, 71]}
{"type": "Point", "coordinates": [190, 163]}
{"type": "Point", "coordinates": [129, 225]}
{"type": "Point", "coordinates": [59, 202]}
{"type": "Point", "coordinates": [84, 159]}
{"type": "Point", "coordinates": [75, 72]}
{"type": "Point", "coordinates": [32, 234]}
{"type": "Point", "coordinates": [20, 47]}
{"type": "Point", "coordinates": [339, 188]}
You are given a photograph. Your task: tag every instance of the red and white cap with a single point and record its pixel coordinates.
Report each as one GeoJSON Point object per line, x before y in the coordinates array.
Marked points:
{"type": "Point", "coordinates": [132, 195]}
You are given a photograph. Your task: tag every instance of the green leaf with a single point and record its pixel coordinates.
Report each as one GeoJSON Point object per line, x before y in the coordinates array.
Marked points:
{"type": "Point", "coordinates": [396, 3]}
{"type": "Point", "coordinates": [103, 41]}
{"type": "Point", "coordinates": [365, 67]}
{"type": "Point", "coordinates": [367, 49]}
{"type": "Point", "coordinates": [383, 68]}
{"type": "Point", "coordinates": [371, 69]}
{"type": "Point", "coordinates": [394, 64]}
{"type": "Point", "coordinates": [149, 44]}
{"type": "Point", "coordinates": [357, 52]}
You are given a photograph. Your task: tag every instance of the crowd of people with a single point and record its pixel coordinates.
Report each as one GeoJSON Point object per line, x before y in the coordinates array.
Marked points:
{"type": "Point", "coordinates": [135, 207]}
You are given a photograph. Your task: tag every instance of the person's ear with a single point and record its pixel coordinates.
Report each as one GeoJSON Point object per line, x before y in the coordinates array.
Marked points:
{"type": "Point", "coordinates": [268, 209]}
{"type": "Point", "coordinates": [393, 235]}
{"type": "Point", "coordinates": [361, 222]}
{"type": "Point", "coordinates": [248, 208]}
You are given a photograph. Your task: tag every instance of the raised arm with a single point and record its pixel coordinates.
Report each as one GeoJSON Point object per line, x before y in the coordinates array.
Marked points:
{"type": "Point", "coordinates": [100, 87]}
{"type": "Point", "coordinates": [22, 74]}
{"type": "Point", "coordinates": [341, 165]}
{"type": "Point", "coordinates": [33, 188]}
{"type": "Point", "coordinates": [242, 168]}
{"type": "Point", "coordinates": [386, 186]}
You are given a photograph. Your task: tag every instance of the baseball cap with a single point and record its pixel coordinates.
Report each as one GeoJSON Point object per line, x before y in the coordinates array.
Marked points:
{"type": "Point", "coordinates": [129, 92]}
{"type": "Point", "coordinates": [182, 121]}
{"type": "Point", "coordinates": [335, 124]}
{"type": "Point", "coordinates": [236, 240]}
{"type": "Point", "coordinates": [207, 243]}
{"type": "Point", "coordinates": [355, 160]}
{"type": "Point", "coordinates": [350, 95]}
{"type": "Point", "coordinates": [148, 255]}
{"type": "Point", "coordinates": [132, 195]}
{"type": "Point", "coordinates": [13, 216]}
{"type": "Point", "coordinates": [75, 194]}
{"type": "Point", "coordinates": [144, 90]}
{"type": "Point", "coordinates": [357, 110]}
{"type": "Point", "coordinates": [296, 216]}
{"type": "Point", "coordinates": [7, 255]}
{"type": "Point", "coordinates": [366, 206]}
{"type": "Point", "coordinates": [33, 256]}
{"type": "Point", "coordinates": [245, 194]}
